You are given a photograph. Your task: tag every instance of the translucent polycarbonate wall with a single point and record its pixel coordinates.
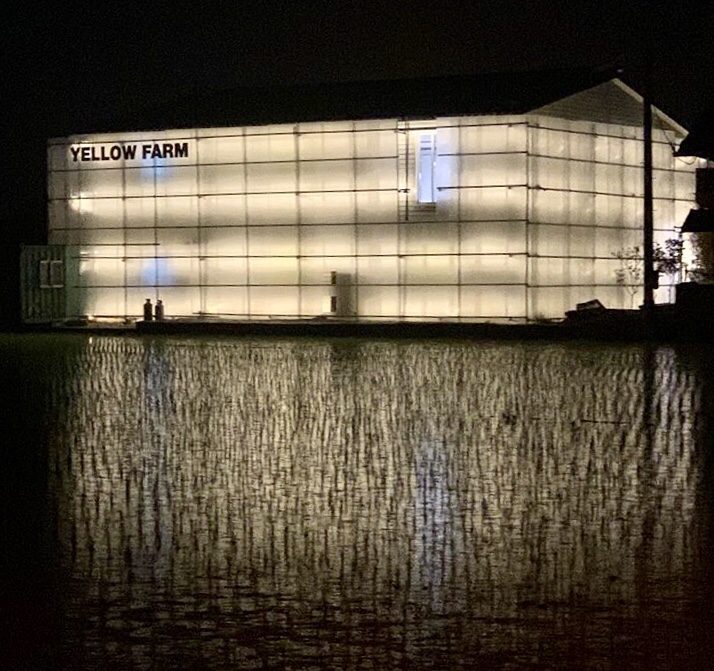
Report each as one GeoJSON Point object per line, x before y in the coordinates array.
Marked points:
{"type": "Point", "coordinates": [462, 218]}
{"type": "Point", "coordinates": [586, 211]}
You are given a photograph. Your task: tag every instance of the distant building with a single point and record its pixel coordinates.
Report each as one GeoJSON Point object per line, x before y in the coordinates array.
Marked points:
{"type": "Point", "coordinates": [493, 198]}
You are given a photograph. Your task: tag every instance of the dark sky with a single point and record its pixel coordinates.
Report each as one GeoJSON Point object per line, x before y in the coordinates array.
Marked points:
{"type": "Point", "coordinates": [69, 67]}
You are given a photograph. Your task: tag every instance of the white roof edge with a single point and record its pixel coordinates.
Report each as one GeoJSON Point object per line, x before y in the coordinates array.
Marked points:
{"type": "Point", "coordinates": [665, 117]}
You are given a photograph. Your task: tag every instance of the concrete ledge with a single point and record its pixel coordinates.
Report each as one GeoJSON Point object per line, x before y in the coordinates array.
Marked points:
{"type": "Point", "coordinates": [627, 326]}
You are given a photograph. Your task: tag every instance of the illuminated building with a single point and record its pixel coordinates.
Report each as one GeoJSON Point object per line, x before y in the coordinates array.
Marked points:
{"type": "Point", "coordinates": [493, 198]}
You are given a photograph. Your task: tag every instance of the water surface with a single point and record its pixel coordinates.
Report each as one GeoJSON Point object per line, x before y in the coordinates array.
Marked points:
{"type": "Point", "coordinates": [233, 503]}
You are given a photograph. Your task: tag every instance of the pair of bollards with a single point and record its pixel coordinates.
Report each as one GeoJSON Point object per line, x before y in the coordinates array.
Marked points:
{"type": "Point", "coordinates": [151, 312]}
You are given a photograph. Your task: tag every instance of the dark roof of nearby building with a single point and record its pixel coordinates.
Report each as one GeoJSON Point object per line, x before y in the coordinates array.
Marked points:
{"type": "Point", "coordinates": [494, 93]}
{"type": "Point", "coordinates": [699, 221]}
{"type": "Point", "coordinates": [700, 142]}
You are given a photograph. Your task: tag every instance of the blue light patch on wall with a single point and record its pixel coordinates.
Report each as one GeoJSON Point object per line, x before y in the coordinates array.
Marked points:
{"type": "Point", "coordinates": [157, 271]}
{"type": "Point", "coordinates": [153, 169]}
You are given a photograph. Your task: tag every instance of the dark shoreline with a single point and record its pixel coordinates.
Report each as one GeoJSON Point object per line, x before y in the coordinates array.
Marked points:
{"type": "Point", "coordinates": [613, 326]}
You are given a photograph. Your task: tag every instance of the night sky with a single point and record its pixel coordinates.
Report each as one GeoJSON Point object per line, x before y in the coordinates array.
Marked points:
{"type": "Point", "coordinates": [69, 68]}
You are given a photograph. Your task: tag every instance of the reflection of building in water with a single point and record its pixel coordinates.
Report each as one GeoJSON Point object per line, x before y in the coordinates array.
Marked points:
{"type": "Point", "coordinates": [434, 529]}
{"type": "Point", "coordinates": [502, 197]}
{"type": "Point", "coordinates": [278, 488]}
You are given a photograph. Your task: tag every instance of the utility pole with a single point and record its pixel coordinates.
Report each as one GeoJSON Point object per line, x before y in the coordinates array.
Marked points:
{"type": "Point", "coordinates": [650, 277]}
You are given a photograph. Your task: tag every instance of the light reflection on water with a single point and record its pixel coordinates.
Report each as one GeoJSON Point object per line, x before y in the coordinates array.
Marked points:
{"type": "Point", "coordinates": [268, 504]}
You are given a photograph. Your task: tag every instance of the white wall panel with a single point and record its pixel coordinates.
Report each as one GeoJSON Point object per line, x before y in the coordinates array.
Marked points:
{"type": "Point", "coordinates": [373, 206]}
{"type": "Point", "coordinates": [139, 212]}
{"type": "Point", "coordinates": [225, 210]}
{"type": "Point", "coordinates": [374, 302]}
{"type": "Point", "coordinates": [562, 240]}
{"type": "Point", "coordinates": [377, 270]}
{"type": "Point", "coordinates": [225, 149]}
{"type": "Point", "coordinates": [57, 212]}
{"type": "Point", "coordinates": [493, 203]}
{"type": "Point", "coordinates": [330, 145]}
{"type": "Point", "coordinates": [493, 237]}
{"type": "Point", "coordinates": [500, 269]}
{"type": "Point", "coordinates": [57, 186]}
{"type": "Point", "coordinates": [430, 238]}
{"type": "Point", "coordinates": [95, 213]}
{"type": "Point", "coordinates": [432, 301]}
{"type": "Point", "coordinates": [271, 177]}
{"type": "Point", "coordinates": [136, 181]}
{"type": "Point", "coordinates": [327, 240]}
{"type": "Point", "coordinates": [476, 138]}
{"type": "Point", "coordinates": [381, 143]}
{"type": "Point", "coordinates": [217, 179]}
{"type": "Point", "coordinates": [492, 170]}
{"type": "Point", "coordinates": [273, 271]}
{"type": "Point", "coordinates": [138, 236]}
{"type": "Point", "coordinates": [274, 301]}
{"type": "Point", "coordinates": [181, 301]}
{"type": "Point", "coordinates": [226, 300]}
{"type": "Point", "coordinates": [335, 175]}
{"type": "Point", "coordinates": [376, 173]}
{"type": "Point", "coordinates": [104, 302]}
{"type": "Point", "coordinates": [176, 181]}
{"type": "Point", "coordinates": [267, 146]}
{"type": "Point", "coordinates": [377, 239]}
{"type": "Point", "coordinates": [275, 209]}
{"type": "Point", "coordinates": [430, 269]}
{"type": "Point", "coordinates": [104, 183]}
{"type": "Point", "coordinates": [562, 207]}
{"type": "Point", "coordinates": [317, 270]}
{"type": "Point", "coordinates": [177, 211]}
{"type": "Point", "coordinates": [315, 301]}
{"type": "Point", "coordinates": [326, 208]}
{"type": "Point", "coordinates": [182, 240]}
{"type": "Point", "coordinates": [224, 241]}
{"type": "Point", "coordinates": [225, 270]}
{"type": "Point", "coordinates": [492, 302]}
{"type": "Point", "coordinates": [274, 241]}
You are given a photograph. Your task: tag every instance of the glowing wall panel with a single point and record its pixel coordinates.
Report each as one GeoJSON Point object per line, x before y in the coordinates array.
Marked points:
{"type": "Point", "coordinates": [527, 217]}
{"type": "Point", "coordinates": [377, 270]}
{"type": "Point", "coordinates": [283, 271]}
{"type": "Point", "coordinates": [271, 209]}
{"type": "Point", "coordinates": [230, 242]}
{"type": "Point", "coordinates": [335, 175]}
{"type": "Point", "coordinates": [379, 302]}
{"type": "Point", "coordinates": [227, 300]}
{"type": "Point", "coordinates": [493, 302]}
{"type": "Point", "coordinates": [324, 241]}
{"type": "Point", "coordinates": [492, 269]}
{"type": "Point", "coordinates": [281, 301]}
{"type": "Point", "coordinates": [326, 208]}
{"type": "Point", "coordinates": [493, 237]}
{"type": "Point", "coordinates": [225, 271]}
{"type": "Point", "coordinates": [430, 238]}
{"type": "Point", "coordinates": [431, 301]}
{"type": "Point", "coordinates": [431, 269]}
{"type": "Point", "coordinates": [377, 239]}
{"type": "Point", "coordinates": [589, 181]}
{"type": "Point", "coordinates": [316, 270]}
{"type": "Point", "coordinates": [494, 203]}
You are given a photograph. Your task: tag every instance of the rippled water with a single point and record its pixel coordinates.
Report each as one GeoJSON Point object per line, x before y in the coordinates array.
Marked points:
{"type": "Point", "coordinates": [229, 503]}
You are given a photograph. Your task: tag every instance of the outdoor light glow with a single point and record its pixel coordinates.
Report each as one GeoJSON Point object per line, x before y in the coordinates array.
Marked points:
{"type": "Point", "coordinates": [483, 218]}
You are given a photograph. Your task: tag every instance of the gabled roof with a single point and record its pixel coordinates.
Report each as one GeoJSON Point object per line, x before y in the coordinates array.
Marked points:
{"type": "Point", "coordinates": [610, 102]}
{"type": "Point", "coordinates": [483, 94]}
